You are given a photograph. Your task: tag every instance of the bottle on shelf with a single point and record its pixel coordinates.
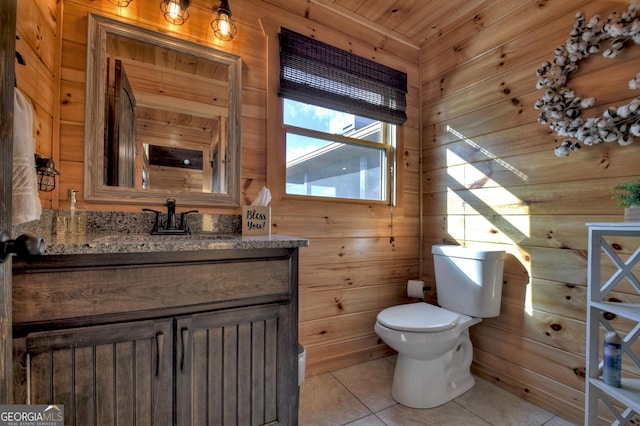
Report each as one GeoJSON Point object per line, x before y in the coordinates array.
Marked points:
{"type": "Point", "coordinates": [612, 359]}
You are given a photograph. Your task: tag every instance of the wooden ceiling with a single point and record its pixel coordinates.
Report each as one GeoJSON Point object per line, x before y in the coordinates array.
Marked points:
{"type": "Point", "coordinates": [412, 22]}
{"type": "Point", "coordinates": [409, 21]}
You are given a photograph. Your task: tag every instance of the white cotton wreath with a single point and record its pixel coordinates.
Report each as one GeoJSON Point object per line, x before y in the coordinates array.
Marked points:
{"type": "Point", "coordinates": [561, 105]}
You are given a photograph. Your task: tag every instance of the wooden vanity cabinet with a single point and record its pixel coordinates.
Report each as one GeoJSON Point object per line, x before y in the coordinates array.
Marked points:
{"type": "Point", "coordinates": [195, 338]}
{"type": "Point", "coordinates": [227, 367]}
{"type": "Point", "coordinates": [111, 374]}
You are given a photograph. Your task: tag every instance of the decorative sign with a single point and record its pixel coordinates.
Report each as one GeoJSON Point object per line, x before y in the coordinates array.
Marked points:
{"type": "Point", "coordinates": [256, 220]}
{"type": "Point", "coordinates": [562, 106]}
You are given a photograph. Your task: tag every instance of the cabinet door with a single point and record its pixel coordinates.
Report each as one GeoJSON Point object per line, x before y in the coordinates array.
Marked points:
{"type": "Point", "coordinates": [103, 375]}
{"type": "Point", "coordinates": [234, 367]}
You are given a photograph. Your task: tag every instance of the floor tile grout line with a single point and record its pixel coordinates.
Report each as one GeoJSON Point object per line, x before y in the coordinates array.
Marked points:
{"type": "Point", "coordinates": [352, 394]}
{"type": "Point", "coordinates": [470, 411]}
{"type": "Point", "coordinates": [371, 412]}
{"type": "Point", "coordinates": [381, 421]}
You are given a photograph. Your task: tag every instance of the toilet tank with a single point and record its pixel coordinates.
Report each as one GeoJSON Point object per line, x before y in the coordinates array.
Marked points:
{"type": "Point", "coordinates": [469, 280]}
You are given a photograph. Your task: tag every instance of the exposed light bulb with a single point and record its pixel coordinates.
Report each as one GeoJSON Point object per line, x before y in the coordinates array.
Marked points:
{"type": "Point", "coordinates": [222, 25]}
{"type": "Point", "coordinates": [175, 11]}
{"type": "Point", "coordinates": [225, 28]}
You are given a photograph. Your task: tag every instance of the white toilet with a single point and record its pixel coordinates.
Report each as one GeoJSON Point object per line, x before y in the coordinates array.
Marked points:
{"type": "Point", "coordinates": [434, 349]}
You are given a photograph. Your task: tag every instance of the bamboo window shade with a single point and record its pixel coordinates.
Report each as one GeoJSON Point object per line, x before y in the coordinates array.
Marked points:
{"type": "Point", "coordinates": [320, 74]}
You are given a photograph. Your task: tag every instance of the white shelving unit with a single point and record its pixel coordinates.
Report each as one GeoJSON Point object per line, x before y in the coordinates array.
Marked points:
{"type": "Point", "coordinates": [599, 287]}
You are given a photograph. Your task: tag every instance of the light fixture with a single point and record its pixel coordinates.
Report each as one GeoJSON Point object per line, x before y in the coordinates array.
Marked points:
{"type": "Point", "coordinates": [45, 168]}
{"type": "Point", "coordinates": [175, 11]}
{"type": "Point", "coordinates": [120, 3]}
{"type": "Point", "coordinates": [222, 25]}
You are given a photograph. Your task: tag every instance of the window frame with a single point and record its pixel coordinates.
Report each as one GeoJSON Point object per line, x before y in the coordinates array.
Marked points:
{"type": "Point", "coordinates": [388, 145]}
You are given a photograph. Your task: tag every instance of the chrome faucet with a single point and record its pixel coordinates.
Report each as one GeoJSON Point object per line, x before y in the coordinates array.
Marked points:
{"type": "Point", "coordinates": [170, 226]}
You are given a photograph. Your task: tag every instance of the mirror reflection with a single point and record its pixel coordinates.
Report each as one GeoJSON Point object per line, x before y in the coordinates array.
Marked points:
{"type": "Point", "coordinates": [167, 113]}
{"type": "Point", "coordinates": [170, 117]}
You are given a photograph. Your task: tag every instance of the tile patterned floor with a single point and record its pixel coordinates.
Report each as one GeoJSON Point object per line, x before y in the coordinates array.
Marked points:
{"type": "Point", "coordinates": [361, 396]}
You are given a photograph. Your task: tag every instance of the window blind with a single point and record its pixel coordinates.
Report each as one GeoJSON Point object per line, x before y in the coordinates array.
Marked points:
{"type": "Point", "coordinates": [320, 74]}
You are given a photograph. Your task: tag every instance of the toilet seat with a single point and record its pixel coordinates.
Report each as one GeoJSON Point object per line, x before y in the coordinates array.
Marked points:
{"type": "Point", "coordinates": [418, 317]}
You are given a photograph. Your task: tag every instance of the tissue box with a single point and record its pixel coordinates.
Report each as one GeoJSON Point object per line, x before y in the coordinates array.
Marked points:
{"type": "Point", "coordinates": [256, 220]}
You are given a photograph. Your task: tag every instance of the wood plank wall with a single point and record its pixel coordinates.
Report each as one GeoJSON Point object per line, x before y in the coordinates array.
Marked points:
{"type": "Point", "coordinates": [351, 270]}
{"type": "Point", "coordinates": [490, 177]}
{"type": "Point", "coordinates": [478, 78]}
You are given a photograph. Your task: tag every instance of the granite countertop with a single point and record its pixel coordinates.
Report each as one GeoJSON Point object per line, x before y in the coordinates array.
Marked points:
{"type": "Point", "coordinates": [121, 232]}
{"type": "Point", "coordinates": [146, 243]}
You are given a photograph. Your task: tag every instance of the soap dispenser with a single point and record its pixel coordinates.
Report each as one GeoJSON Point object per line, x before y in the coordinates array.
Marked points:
{"type": "Point", "coordinates": [77, 221]}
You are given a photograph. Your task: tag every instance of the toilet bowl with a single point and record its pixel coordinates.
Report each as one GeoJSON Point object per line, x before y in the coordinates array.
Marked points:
{"type": "Point", "coordinates": [434, 357]}
{"type": "Point", "coordinates": [433, 344]}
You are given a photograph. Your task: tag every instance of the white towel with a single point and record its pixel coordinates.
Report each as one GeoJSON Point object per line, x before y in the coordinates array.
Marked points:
{"type": "Point", "coordinates": [26, 203]}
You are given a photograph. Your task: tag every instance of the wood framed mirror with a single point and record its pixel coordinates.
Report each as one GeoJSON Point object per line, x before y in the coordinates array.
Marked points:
{"type": "Point", "coordinates": [162, 118]}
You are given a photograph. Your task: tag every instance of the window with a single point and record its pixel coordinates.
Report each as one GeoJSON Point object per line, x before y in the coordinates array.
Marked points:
{"type": "Point", "coordinates": [334, 154]}
{"type": "Point", "coordinates": [340, 113]}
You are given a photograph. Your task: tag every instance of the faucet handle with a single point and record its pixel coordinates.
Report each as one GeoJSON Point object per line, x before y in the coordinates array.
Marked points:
{"type": "Point", "coordinates": [183, 220]}
{"type": "Point", "coordinates": [157, 221]}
